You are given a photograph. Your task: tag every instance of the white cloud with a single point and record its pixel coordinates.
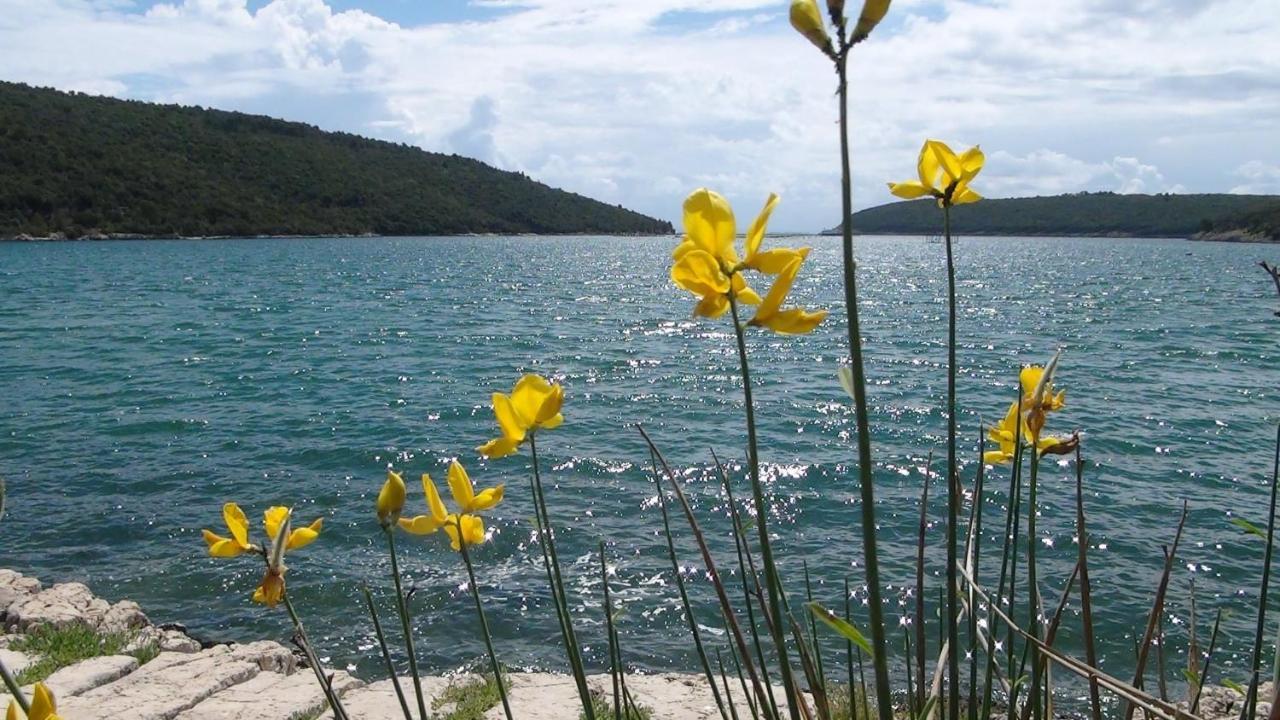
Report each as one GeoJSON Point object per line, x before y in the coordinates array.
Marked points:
{"type": "Point", "coordinates": [1260, 178]}
{"type": "Point", "coordinates": [638, 102]}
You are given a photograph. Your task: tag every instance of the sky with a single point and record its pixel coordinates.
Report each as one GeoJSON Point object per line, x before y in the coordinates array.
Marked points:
{"type": "Point", "coordinates": [638, 102]}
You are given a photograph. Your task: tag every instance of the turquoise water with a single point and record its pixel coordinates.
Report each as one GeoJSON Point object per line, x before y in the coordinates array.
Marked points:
{"type": "Point", "coordinates": [142, 384]}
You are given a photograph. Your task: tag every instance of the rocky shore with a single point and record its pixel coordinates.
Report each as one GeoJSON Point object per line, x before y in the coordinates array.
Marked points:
{"type": "Point", "coordinates": [165, 674]}
{"type": "Point", "coordinates": [186, 679]}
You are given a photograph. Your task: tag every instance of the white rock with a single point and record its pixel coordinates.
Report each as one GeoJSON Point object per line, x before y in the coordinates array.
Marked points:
{"type": "Point", "coordinates": [269, 696]}
{"type": "Point", "coordinates": [61, 606]}
{"type": "Point", "coordinates": [89, 674]}
{"type": "Point", "coordinates": [377, 701]}
{"type": "Point", "coordinates": [15, 586]}
{"type": "Point", "coordinates": [14, 660]}
{"type": "Point", "coordinates": [123, 617]}
{"type": "Point", "coordinates": [164, 687]}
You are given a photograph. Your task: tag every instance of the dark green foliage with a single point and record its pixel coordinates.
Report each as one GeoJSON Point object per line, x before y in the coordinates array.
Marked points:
{"type": "Point", "coordinates": [78, 165]}
{"type": "Point", "coordinates": [1262, 220]}
{"type": "Point", "coordinates": [57, 648]}
{"type": "Point", "coordinates": [1105, 214]}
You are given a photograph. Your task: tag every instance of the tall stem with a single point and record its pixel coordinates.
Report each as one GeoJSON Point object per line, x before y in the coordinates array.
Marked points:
{"type": "Point", "coordinates": [762, 512]}
{"type": "Point", "coordinates": [339, 712]}
{"type": "Point", "coordinates": [557, 586]}
{"type": "Point", "coordinates": [884, 703]}
{"type": "Point", "coordinates": [402, 605]}
{"type": "Point", "coordinates": [1033, 589]}
{"type": "Point", "coordinates": [953, 483]}
{"type": "Point", "coordinates": [386, 653]}
{"type": "Point", "coordinates": [484, 622]}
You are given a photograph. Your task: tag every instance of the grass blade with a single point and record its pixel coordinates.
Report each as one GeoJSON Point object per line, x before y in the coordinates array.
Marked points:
{"type": "Point", "coordinates": [920, 616]}
{"type": "Point", "coordinates": [1157, 608]}
{"type": "Point", "coordinates": [1251, 701]}
{"type": "Point", "coordinates": [1086, 590]}
{"type": "Point", "coordinates": [386, 654]}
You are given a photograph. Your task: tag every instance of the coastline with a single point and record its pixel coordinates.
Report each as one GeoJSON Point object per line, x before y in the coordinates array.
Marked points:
{"type": "Point", "coordinates": [166, 674]}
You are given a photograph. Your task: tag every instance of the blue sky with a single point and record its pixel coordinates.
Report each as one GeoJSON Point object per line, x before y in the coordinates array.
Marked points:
{"type": "Point", "coordinates": [638, 102]}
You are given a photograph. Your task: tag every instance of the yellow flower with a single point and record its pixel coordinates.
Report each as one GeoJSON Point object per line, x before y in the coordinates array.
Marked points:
{"type": "Point", "coordinates": [707, 263]}
{"type": "Point", "coordinates": [238, 543]}
{"type": "Point", "coordinates": [43, 706]}
{"type": "Point", "coordinates": [298, 538]}
{"type": "Point", "coordinates": [472, 530]}
{"type": "Point", "coordinates": [807, 20]}
{"type": "Point", "coordinates": [792, 321]}
{"type": "Point", "coordinates": [391, 499]}
{"type": "Point", "coordinates": [873, 11]}
{"type": "Point", "coordinates": [436, 514]}
{"type": "Point", "coordinates": [464, 494]}
{"type": "Point", "coordinates": [277, 522]}
{"type": "Point", "coordinates": [533, 404]}
{"type": "Point", "coordinates": [1038, 399]}
{"type": "Point", "coordinates": [281, 536]}
{"type": "Point", "coordinates": [943, 174]}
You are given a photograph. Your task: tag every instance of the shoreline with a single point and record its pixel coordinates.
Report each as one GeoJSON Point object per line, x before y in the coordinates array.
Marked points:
{"type": "Point", "coordinates": [163, 673]}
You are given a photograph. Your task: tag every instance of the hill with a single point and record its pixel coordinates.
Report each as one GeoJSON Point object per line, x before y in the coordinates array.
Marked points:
{"type": "Point", "coordinates": [1104, 213]}
{"type": "Point", "coordinates": [77, 164]}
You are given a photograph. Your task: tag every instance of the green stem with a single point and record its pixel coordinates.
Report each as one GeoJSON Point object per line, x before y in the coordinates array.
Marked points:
{"type": "Point", "coordinates": [562, 599]}
{"type": "Point", "coordinates": [14, 689]}
{"type": "Point", "coordinates": [953, 484]}
{"type": "Point", "coordinates": [1256, 661]}
{"type": "Point", "coordinates": [684, 595]}
{"type": "Point", "coordinates": [615, 660]}
{"type": "Point", "coordinates": [386, 654]}
{"type": "Point", "coordinates": [484, 622]}
{"type": "Point", "coordinates": [339, 712]}
{"type": "Point", "coordinates": [772, 583]}
{"type": "Point", "coordinates": [402, 607]}
{"type": "Point", "coordinates": [1033, 589]}
{"type": "Point", "coordinates": [880, 659]}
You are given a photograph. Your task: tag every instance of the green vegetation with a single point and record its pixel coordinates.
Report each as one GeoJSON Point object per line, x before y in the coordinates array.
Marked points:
{"type": "Point", "coordinates": [1262, 220]}
{"type": "Point", "coordinates": [82, 165]}
{"type": "Point", "coordinates": [1105, 213]}
{"type": "Point", "coordinates": [470, 700]}
{"type": "Point", "coordinates": [57, 648]}
{"type": "Point", "coordinates": [603, 708]}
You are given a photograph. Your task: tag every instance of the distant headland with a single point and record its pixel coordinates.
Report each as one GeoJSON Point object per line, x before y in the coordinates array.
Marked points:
{"type": "Point", "coordinates": [1217, 216]}
{"type": "Point", "coordinates": [86, 167]}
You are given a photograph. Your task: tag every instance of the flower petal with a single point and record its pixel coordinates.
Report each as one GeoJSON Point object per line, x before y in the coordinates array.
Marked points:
{"type": "Point", "coordinates": [712, 306]}
{"type": "Point", "coordinates": [237, 523]}
{"type": "Point", "coordinates": [527, 397]}
{"type": "Point", "coordinates": [486, 499]}
{"type": "Point", "coordinates": [460, 485]}
{"type": "Point", "coordinates": [708, 223]}
{"type": "Point", "coordinates": [942, 161]}
{"type": "Point", "coordinates": [435, 506]}
{"type": "Point", "coordinates": [699, 273]}
{"type": "Point", "coordinates": [303, 537]}
{"type": "Point", "coordinates": [755, 233]}
{"type": "Point", "coordinates": [498, 448]}
{"type": "Point", "coordinates": [222, 547]}
{"type": "Point", "coordinates": [420, 524]}
{"type": "Point", "coordinates": [551, 405]}
{"type": "Point", "coordinates": [43, 706]}
{"type": "Point", "coordinates": [774, 261]}
{"type": "Point", "coordinates": [795, 321]}
{"type": "Point", "coordinates": [509, 421]}
{"type": "Point", "coordinates": [909, 190]}
{"type": "Point", "coordinates": [272, 518]}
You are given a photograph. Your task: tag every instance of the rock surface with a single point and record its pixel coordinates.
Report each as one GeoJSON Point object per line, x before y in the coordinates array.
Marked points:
{"type": "Point", "coordinates": [14, 586]}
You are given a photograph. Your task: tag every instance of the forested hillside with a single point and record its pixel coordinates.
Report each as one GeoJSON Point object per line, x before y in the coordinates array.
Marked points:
{"type": "Point", "coordinates": [1104, 213]}
{"type": "Point", "coordinates": [77, 164]}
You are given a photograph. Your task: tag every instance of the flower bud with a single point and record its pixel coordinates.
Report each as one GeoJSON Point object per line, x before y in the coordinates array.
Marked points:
{"type": "Point", "coordinates": [391, 499]}
{"type": "Point", "coordinates": [873, 11]}
{"type": "Point", "coordinates": [807, 20]}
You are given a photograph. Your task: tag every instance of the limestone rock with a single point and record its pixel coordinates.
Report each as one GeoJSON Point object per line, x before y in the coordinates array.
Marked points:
{"type": "Point", "coordinates": [166, 686]}
{"type": "Point", "coordinates": [89, 674]}
{"type": "Point", "coordinates": [14, 660]}
{"type": "Point", "coordinates": [123, 617]}
{"type": "Point", "coordinates": [60, 606]}
{"type": "Point", "coordinates": [269, 696]}
{"type": "Point", "coordinates": [377, 701]}
{"type": "Point", "coordinates": [542, 696]}
{"type": "Point", "coordinates": [267, 655]}
{"type": "Point", "coordinates": [15, 586]}
{"type": "Point", "coordinates": [671, 696]}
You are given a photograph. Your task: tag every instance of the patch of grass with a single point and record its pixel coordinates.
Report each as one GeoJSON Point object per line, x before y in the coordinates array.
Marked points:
{"type": "Point", "coordinates": [838, 700]}
{"type": "Point", "coordinates": [470, 699]}
{"type": "Point", "coordinates": [602, 706]}
{"type": "Point", "coordinates": [56, 648]}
